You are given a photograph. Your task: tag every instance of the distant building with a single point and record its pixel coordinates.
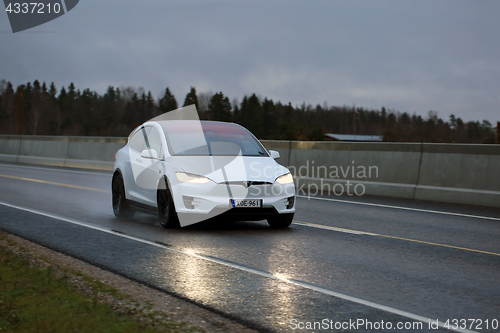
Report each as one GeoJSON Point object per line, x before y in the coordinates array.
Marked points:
{"type": "Point", "coordinates": [354, 138]}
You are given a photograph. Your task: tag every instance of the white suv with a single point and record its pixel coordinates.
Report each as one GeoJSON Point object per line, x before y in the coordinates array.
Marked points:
{"type": "Point", "coordinates": [190, 171]}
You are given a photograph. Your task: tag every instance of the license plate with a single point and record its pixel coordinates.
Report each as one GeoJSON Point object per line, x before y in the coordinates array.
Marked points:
{"type": "Point", "coordinates": [248, 203]}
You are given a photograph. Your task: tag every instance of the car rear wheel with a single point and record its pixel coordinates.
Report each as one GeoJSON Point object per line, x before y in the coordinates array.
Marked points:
{"type": "Point", "coordinates": [166, 209]}
{"type": "Point", "coordinates": [280, 221]}
{"type": "Point", "coordinates": [121, 208]}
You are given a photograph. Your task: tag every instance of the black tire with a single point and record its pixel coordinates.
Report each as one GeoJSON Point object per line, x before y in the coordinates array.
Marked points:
{"type": "Point", "coordinates": [121, 208]}
{"type": "Point", "coordinates": [166, 209]}
{"type": "Point", "coordinates": [280, 221]}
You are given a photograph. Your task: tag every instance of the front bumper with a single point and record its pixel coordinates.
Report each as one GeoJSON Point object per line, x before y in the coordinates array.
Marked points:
{"type": "Point", "coordinates": [197, 202]}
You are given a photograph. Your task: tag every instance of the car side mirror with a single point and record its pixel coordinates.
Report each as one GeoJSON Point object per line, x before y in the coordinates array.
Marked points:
{"type": "Point", "coordinates": [149, 153]}
{"type": "Point", "coordinates": [274, 154]}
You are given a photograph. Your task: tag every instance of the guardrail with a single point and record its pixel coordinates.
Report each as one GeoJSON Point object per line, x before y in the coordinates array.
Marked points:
{"type": "Point", "coordinates": [466, 174]}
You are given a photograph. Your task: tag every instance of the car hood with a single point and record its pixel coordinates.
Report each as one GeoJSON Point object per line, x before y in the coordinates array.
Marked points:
{"type": "Point", "coordinates": [223, 169]}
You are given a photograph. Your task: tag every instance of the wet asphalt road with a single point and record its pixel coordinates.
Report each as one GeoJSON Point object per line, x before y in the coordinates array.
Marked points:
{"type": "Point", "coordinates": [416, 261]}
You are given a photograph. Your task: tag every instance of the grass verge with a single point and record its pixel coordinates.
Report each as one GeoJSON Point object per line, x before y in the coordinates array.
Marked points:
{"type": "Point", "coordinates": [44, 299]}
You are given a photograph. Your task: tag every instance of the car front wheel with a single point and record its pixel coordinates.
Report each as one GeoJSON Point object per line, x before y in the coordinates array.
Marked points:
{"type": "Point", "coordinates": [166, 209]}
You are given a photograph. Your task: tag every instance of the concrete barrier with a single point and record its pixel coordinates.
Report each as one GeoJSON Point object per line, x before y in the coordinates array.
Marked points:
{"type": "Point", "coordinates": [75, 152]}
{"type": "Point", "coordinates": [93, 152]}
{"type": "Point", "coordinates": [466, 174]}
{"type": "Point", "coordinates": [43, 150]}
{"type": "Point", "coordinates": [9, 148]}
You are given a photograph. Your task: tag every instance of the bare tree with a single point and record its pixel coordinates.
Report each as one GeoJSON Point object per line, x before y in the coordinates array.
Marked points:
{"type": "Point", "coordinates": [204, 101]}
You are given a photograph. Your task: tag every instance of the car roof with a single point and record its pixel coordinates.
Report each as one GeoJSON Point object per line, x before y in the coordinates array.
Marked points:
{"type": "Point", "coordinates": [179, 126]}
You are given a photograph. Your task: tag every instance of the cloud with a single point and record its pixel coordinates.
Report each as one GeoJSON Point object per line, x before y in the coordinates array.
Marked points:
{"type": "Point", "coordinates": [413, 56]}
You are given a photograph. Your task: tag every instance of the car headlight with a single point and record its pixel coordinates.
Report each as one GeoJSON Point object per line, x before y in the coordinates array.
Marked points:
{"type": "Point", "coordinates": [285, 179]}
{"type": "Point", "coordinates": [190, 178]}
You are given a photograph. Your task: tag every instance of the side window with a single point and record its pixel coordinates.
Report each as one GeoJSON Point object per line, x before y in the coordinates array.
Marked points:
{"type": "Point", "coordinates": [154, 141]}
{"type": "Point", "coordinates": [137, 141]}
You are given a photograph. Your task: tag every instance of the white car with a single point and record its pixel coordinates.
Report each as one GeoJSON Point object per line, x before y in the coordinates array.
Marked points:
{"type": "Point", "coordinates": [190, 171]}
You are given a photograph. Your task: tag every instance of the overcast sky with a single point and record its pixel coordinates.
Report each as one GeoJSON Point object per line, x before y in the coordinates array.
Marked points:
{"type": "Point", "coordinates": [411, 55]}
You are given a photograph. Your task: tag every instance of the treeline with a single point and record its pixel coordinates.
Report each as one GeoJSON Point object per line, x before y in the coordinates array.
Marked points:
{"type": "Point", "coordinates": [46, 110]}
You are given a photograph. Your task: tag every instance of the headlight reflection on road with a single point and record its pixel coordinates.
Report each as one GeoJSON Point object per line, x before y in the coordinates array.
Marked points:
{"type": "Point", "coordinates": [192, 277]}
{"type": "Point", "coordinates": [281, 276]}
{"type": "Point", "coordinates": [190, 252]}
{"type": "Point", "coordinates": [284, 296]}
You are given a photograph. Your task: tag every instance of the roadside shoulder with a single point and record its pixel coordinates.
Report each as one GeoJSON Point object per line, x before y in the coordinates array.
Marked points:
{"type": "Point", "coordinates": [122, 294]}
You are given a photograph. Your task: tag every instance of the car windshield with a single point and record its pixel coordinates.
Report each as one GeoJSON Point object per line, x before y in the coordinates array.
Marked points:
{"type": "Point", "coordinates": [194, 138]}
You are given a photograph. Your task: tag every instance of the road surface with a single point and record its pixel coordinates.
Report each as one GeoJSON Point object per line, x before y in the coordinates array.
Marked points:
{"type": "Point", "coordinates": [353, 264]}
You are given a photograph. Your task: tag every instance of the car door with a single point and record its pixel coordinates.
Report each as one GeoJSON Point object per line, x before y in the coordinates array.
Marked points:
{"type": "Point", "coordinates": [134, 166]}
{"type": "Point", "coordinates": [153, 168]}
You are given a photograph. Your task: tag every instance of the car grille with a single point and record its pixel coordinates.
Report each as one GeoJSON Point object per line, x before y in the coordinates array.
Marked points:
{"type": "Point", "coordinates": [247, 184]}
{"type": "Point", "coordinates": [251, 211]}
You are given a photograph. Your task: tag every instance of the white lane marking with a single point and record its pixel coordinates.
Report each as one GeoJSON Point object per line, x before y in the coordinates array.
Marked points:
{"type": "Point", "coordinates": [403, 208]}
{"type": "Point", "coordinates": [357, 232]}
{"type": "Point", "coordinates": [276, 276]}
{"type": "Point", "coordinates": [58, 169]}
{"type": "Point", "coordinates": [326, 227]}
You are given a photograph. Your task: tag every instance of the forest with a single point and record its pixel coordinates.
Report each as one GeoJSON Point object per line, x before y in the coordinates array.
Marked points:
{"type": "Point", "coordinates": [40, 109]}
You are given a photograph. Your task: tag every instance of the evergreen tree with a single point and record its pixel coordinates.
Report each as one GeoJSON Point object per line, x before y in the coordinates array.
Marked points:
{"type": "Point", "coordinates": [53, 90]}
{"type": "Point", "coordinates": [168, 102]}
{"type": "Point", "coordinates": [150, 106]}
{"type": "Point", "coordinates": [44, 105]}
{"type": "Point", "coordinates": [191, 98]}
{"type": "Point", "coordinates": [36, 87]}
{"type": "Point", "coordinates": [62, 102]}
{"type": "Point", "coordinates": [383, 115]}
{"type": "Point", "coordinates": [86, 109]}
{"type": "Point", "coordinates": [236, 114]}
{"type": "Point", "coordinates": [269, 122]}
{"type": "Point", "coordinates": [27, 101]}
{"type": "Point", "coordinates": [251, 115]}
{"type": "Point", "coordinates": [143, 108]}
{"type": "Point", "coordinates": [109, 112]}
{"type": "Point", "coordinates": [131, 115]}
{"type": "Point", "coordinates": [54, 111]}
{"type": "Point", "coordinates": [72, 95]}
{"type": "Point", "coordinates": [391, 119]}
{"type": "Point", "coordinates": [117, 112]}
{"type": "Point", "coordinates": [220, 107]}
{"type": "Point", "coordinates": [71, 117]}
{"type": "Point", "coordinates": [35, 112]}
{"type": "Point", "coordinates": [453, 121]}
{"type": "Point", "coordinates": [287, 127]}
